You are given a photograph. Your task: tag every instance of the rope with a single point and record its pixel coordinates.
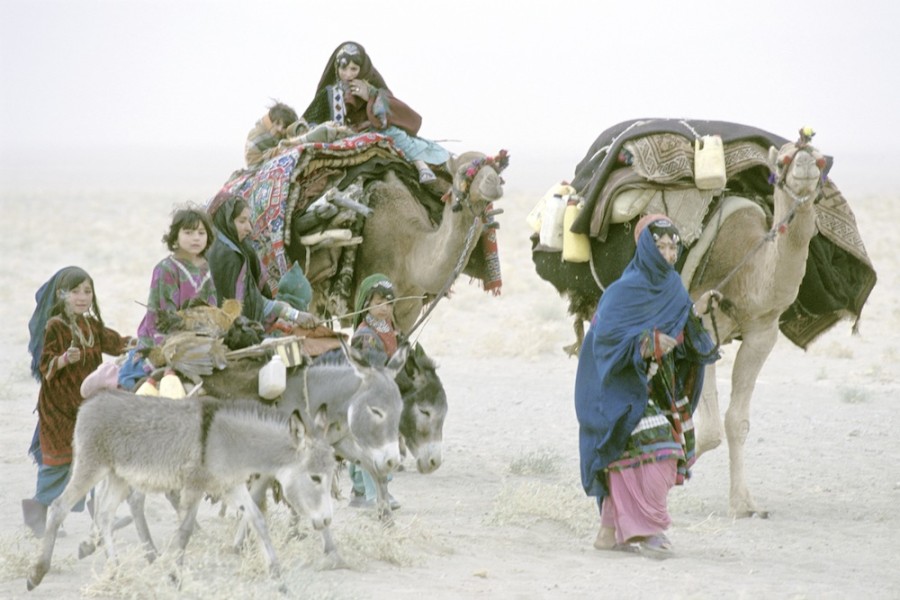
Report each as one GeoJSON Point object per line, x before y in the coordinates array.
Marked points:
{"type": "Point", "coordinates": [471, 240]}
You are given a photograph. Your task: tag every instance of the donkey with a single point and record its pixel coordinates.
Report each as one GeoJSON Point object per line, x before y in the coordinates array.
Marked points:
{"type": "Point", "coordinates": [161, 444]}
{"type": "Point", "coordinates": [361, 404]}
{"type": "Point", "coordinates": [424, 410]}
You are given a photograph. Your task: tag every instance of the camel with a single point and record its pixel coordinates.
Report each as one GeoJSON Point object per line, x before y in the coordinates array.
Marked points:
{"type": "Point", "coordinates": [419, 257]}
{"type": "Point", "coordinates": [758, 268]}
{"type": "Point", "coordinates": [765, 283]}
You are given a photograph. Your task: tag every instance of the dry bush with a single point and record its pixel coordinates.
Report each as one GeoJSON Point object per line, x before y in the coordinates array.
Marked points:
{"type": "Point", "coordinates": [529, 502]}
{"type": "Point", "coordinates": [542, 461]}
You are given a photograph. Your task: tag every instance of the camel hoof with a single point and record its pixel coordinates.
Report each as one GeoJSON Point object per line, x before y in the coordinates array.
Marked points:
{"type": "Point", "coordinates": [705, 445]}
{"type": "Point", "coordinates": [572, 349]}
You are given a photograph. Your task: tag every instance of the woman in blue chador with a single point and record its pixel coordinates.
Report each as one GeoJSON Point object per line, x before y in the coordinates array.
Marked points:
{"type": "Point", "coordinates": [640, 373]}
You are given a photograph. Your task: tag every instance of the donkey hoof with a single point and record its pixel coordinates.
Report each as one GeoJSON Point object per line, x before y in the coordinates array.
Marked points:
{"type": "Point", "coordinates": [35, 577]}
{"type": "Point", "coordinates": [86, 549]}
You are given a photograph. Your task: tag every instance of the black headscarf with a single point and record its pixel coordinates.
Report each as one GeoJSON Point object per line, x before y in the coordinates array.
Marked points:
{"type": "Point", "coordinates": [318, 110]}
{"type": "Point", "coordinates": [227, 259]}
{"type": "Point", "coordinates": [356, 54]}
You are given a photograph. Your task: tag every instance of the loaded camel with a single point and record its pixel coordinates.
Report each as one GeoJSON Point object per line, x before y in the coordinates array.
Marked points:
{"type": "Point", "coordinates": [419, 257]}
{"type": "Point", "coordinates": [757, 266]}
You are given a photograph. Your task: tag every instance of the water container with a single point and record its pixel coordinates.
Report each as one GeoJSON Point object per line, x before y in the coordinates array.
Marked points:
{"type": "Point", "coordinates": [576, 246]}
{"type": "Point", "coordinates": [272, 378]}
{"type": "Point", "coordinates": [535, 217]}
{"type": "Point", "coordinates": [148, 388]}
{"type": "Point", "coordinates": [552, 223]}
{"type": "Point", "coordinates": [709, 163]}
{"type": "Point", "coordinates": [170, 386]}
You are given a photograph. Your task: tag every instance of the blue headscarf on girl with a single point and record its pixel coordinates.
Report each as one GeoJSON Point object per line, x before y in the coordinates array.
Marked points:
{"type": "Point", "coordinates": [45, 298]}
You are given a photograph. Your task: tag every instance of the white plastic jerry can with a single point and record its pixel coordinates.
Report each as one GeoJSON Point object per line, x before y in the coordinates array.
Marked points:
{"type": "Point", "coordinates": [148, 388]}
{"type": "Point", "coordinates": [709, 163]}
{"type": "Point", "coordinates": [170, 385]}
{"type": "Point", "coordinates": [552, 223]}
{"type": "Point", "coordinates": [272, 378]}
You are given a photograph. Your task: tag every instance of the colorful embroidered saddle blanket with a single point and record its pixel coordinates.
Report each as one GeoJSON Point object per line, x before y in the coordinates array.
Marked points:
{"type": "Point", "coordinates": [284, 186]}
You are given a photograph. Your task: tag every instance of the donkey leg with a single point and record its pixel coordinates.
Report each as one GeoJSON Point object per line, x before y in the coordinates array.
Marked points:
{"type": "Point", "coordinates": [190, 504]}
{"type": "Point", "coordinates": [116, 491]}
{"type": "Point", "coordinates": [80, 483]}
{"type": "Point", "coordinates": [383, 503]}
{"type": "Point", "coordinates": [136, 504]}
{"type": "Point", "coordinates": [258, 487]}
{"type": "Point", "coordinates": [240, 497]}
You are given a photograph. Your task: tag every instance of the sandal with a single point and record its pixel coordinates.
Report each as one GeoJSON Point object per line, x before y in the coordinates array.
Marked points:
{"type": "Point", "coordinates": [426, 175]}
{"type": "Point", "coordinates": [606, 540]}
{"type": "Point", "coordinates": [655, 546]}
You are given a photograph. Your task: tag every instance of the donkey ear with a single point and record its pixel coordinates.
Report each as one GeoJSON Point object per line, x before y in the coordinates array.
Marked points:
{"type": "Point", "coordinates": [320, 420]}
{"type": "Point", "coordinates": [298, 430]}
{"type": "Point", "coordinates": [356, 358]}
{"type": "Point", "coordinates": [398, 360]}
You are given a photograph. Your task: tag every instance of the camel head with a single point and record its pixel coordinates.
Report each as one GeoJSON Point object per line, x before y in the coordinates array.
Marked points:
{"type": "Point", "coordinates": [797, 166]}
{"type": "Point", "coordinates": [476, 179]}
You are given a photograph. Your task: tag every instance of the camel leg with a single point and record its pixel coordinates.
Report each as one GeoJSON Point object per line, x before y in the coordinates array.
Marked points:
{"type": "Point", "coordinates": [575, 347]}
{"type": "Point", "coordinates": [240, 497]}
{"type": "Point", "coordinates": [80, 483]}
{"type": "Point", "coordinates": [708, 424]}
{"type": "Point", "coordinates": [755, 349]}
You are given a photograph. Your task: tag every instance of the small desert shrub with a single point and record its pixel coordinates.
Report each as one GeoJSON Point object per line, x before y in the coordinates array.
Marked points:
{"type": "Point", "coordinates": [537, 462]}
{"type": "Point", "coordinates": [852, 395]}
{"type": "Point", "coordinates": [529, 502]}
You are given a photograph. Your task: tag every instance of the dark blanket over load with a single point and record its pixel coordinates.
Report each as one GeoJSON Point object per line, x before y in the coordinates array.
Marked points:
{"type": "Point", "coordinates": [839, 275]}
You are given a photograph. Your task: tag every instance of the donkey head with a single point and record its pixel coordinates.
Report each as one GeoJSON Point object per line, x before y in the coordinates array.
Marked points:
{"type": "Point", "coordinates": [374, 413]}
{"type": "Point", "coordinates": [306, 480]}
{"type": "Point", "coordinates": [424, 410]}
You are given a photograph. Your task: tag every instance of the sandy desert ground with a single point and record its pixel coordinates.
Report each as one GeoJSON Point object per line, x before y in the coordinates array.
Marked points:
{"type": "Point", "coordinates": [504, 516]}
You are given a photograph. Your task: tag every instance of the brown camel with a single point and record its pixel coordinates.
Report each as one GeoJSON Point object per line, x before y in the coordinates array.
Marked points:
{"type": "Point", "coordinates": [759, 269]}
{"type": "Point", "coordinates": [419, 257]}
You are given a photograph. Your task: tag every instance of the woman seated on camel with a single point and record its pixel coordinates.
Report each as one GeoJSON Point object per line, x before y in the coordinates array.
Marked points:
{"type": "Point", "coordinates": [352, 92]}
{"type": "Point", "coordinates": [237, 271]}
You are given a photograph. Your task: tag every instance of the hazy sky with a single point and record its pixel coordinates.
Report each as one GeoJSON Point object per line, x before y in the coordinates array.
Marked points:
{"type": "Point", "coordinates": [166, 90]}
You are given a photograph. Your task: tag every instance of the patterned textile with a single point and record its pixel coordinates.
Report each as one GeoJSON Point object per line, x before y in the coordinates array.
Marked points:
{"type": "Point", "coordinates": [173, 285]}
{"type": "Point", "coordinates": [839, 275]}
{"type": "Point", "coordinates": [654, 439]}
{"type": "Point", "coordinates": [491, 279]}
{"type": "Point", "coordinates": [287, 184]}
{"type": "Point", "coordinates": [60, 395]}
{"type": "Point", "coordinates": [266, 191]}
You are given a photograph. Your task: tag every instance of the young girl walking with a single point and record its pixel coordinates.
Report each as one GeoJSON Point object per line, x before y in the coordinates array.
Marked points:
{"type": "Point", "coordinates": [68, 339]}
{"type": "Point", "coordinates": [180, 280]}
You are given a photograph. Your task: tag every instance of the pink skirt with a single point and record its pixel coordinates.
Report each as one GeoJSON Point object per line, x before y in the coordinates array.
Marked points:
{"type": "Point", "coordinates": [637, 503]}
